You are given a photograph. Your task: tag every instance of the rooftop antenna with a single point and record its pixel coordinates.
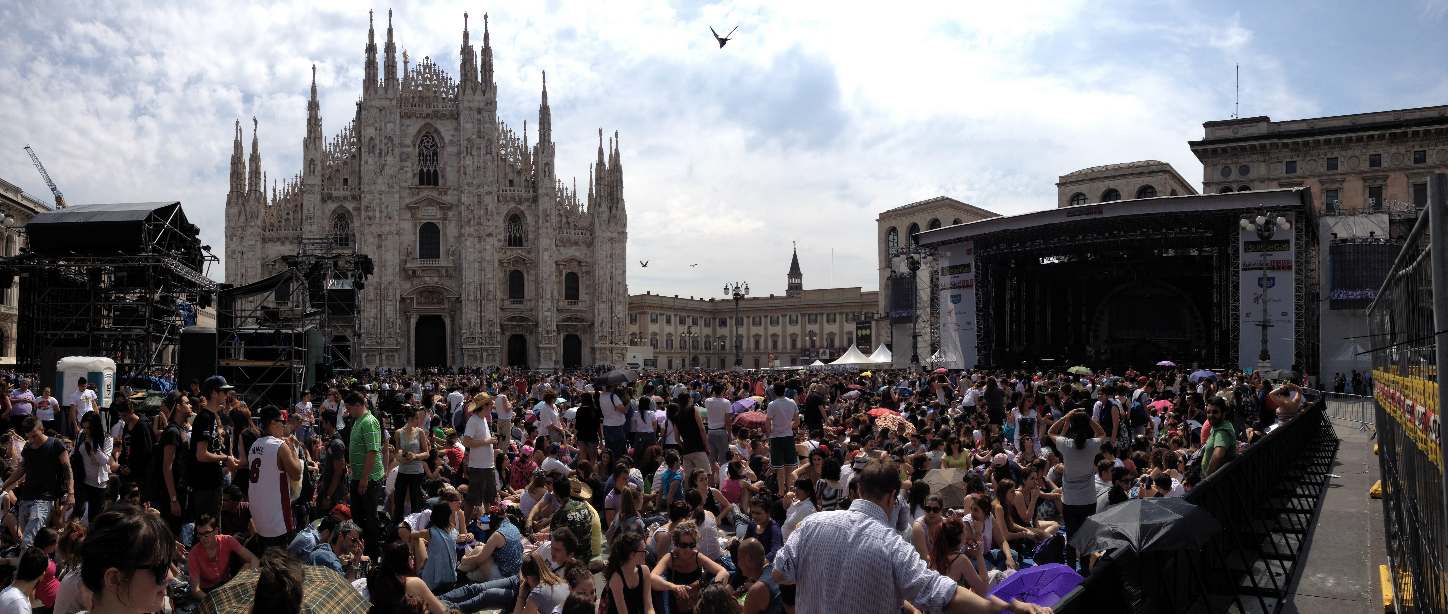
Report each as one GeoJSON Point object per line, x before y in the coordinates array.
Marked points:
{"type": "Point", "coordinates": [1237, 105]}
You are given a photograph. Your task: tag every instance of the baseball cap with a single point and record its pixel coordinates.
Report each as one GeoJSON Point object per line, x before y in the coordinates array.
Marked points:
{"type": "Point", "coordinates": [214, 383]}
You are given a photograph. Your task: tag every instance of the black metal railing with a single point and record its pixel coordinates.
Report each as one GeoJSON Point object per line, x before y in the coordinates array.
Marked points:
{"type": "Point", "coordinates": [1266, 501]}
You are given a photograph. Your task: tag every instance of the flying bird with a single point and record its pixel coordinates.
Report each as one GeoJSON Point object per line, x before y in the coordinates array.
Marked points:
{"type": "Point", "coordinates": [644, 264]}
{"type": "Point", "coordinates": [693, 265]}
{"type": "Point", "coordinates": [722, 39]}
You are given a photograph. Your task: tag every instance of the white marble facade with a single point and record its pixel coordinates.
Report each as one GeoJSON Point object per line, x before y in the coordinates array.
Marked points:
{"type": "Point", "coordinates": [482, 255]}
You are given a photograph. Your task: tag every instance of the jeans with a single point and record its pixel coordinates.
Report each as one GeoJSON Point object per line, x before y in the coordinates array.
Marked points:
{"type": "Point", "coordinates": [34, 514]}
{"type": "Point", "coordinates": [615, 438]}
{"type": "Point", "coordinates": [494, 594]}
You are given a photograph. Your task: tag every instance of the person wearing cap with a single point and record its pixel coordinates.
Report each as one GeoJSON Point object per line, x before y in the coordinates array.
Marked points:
{"type": "Point", "coordinates": [274, 464]}
{"type": "Point", "coordinates": [478, 439]}
{"type": "Point", "coordinates": [210, 449]}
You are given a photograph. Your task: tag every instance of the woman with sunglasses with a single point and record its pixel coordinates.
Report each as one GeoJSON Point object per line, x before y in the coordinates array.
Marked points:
{"type": "Point", "coordinates": [957, 555]}
{"type": "Point", "coordinates": [127, 559]}
{"type": "Point", "coordinates": [210, 559]}
{"type": "Point", "coordinates": [629, 581]}
{"type": "Point", "coordinates": [923, 530]}
{"type": "Point", "coordinates": [680, 575]}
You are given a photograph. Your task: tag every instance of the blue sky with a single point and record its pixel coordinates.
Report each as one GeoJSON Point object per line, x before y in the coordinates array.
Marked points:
{"type": "Point", "coordinates": [815, 118]}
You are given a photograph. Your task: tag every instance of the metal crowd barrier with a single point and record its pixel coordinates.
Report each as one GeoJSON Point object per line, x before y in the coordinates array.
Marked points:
{"type": "Point", "coordinates": [1266, 501]}
{"type": "Point", "coordinates": [1351, 409]}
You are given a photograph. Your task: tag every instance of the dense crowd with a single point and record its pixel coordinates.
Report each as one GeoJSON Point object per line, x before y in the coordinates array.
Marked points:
{"type": "Point", "coordinates": [683, 491]}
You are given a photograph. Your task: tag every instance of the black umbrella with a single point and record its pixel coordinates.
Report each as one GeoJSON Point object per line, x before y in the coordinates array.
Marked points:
{"type": "Point", "coordinates": [1145, 525]}
{"type": "Point", "coordinates": [616, 377]}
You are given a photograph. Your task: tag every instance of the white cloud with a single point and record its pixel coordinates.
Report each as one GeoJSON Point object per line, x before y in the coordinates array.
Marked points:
{"type": "Point", "coordinates": [815, 118]}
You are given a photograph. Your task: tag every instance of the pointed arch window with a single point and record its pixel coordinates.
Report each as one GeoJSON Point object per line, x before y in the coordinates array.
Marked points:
{"type": "Point", "coordinates": [427, 160]}
{"type": "Point", "coordinates": [517, 235]}
{"type": "Point", "coordinates": [341, 229]}
{"type": "Point", "coordinates": [429, 241]}
{"type": "Point", "coordinates": [570, 286]}
{"type": "Point", "coordinates": [914, 234]}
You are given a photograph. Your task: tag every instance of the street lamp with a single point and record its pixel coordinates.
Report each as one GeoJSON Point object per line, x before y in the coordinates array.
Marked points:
{"type": "Point", "coordinates": [737, 290]}
{"type": "Point", "coordinates": [1265, 227]}
{"type": "Point", "coordinates": [914, 254]}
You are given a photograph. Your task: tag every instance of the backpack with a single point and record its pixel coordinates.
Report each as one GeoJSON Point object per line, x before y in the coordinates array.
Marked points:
{"type": "Point", "coordinates": [1138, 415]}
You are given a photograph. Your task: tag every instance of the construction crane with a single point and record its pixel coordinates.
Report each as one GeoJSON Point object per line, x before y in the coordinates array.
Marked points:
{"type": "Point", "coordinates": [34, 159]}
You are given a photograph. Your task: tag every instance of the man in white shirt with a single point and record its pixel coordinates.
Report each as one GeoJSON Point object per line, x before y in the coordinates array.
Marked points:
{"type": "Point", "coordinates": [478, 439]}
{"type": "Point", "coordinates": [781, 419]}
{"type": "Point", "coordinates": [455, 400]}
{"type": "Point", "coordinates": [503, 418]}
{"type": "Point", "coordinates": [718, 407]}
{"type": "Point", "coordinates": [80, 401]}
{"type": "Point", "coordinates": [615, 423]}
{"type": "Point", "coordinates": [548, 421]}
{"type": "Point", "coordinates": [15, 599]}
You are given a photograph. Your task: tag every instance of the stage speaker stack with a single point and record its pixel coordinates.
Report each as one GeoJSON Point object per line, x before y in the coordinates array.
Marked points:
{"type": "Point", "coordinates": [196, 359]}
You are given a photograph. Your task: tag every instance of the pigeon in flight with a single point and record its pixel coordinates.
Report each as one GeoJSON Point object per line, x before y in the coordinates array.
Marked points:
{"type": "Point", "coordinates": [644, 264]}
{"type": "Point", "coordinates": [722, 39]}
{"type": "Point", "coordinates": [693, 265]}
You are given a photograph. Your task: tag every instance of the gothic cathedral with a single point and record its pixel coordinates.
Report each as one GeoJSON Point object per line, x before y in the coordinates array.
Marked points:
{"type": "Point", "coordinates": [482, 256]}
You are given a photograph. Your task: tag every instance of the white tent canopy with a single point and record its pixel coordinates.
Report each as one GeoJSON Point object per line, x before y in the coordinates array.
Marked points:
{"type": "Point", "coordinates": [881, 355]}
{"type": "Point", "coordinates": [853, 356]}
{"type": "Point", "coordinates": [817, 364]}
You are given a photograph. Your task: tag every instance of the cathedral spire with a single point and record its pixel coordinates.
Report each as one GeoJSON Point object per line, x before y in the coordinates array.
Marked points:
{"type": "Point", "coordinates": [253, 171]}
{"type": "Point", "coordinates": [369, 76]}
{"type": "Point", "coordinates": [389, 66]}
{"type": "Point", "coordinates": [238, 163]}
{"type": "Point", "coordinates": [314, 113]}
{"type": "Point", "coordinates": [468, 67]}
{"type": "Point", "coordinates": [545, 116]}
{"type": "Point", "coordinates": [795, 277]}
{"type": "Point", "coordinates": [487, 68]}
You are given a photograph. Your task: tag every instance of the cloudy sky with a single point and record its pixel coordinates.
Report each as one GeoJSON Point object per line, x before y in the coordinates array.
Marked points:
{"type": "Point", "coordinates": [815, 118]}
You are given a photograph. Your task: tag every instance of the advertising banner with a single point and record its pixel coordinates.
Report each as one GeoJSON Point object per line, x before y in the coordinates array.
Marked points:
{"type": "Point", "coordinates": [957, 294]}
{"type": "Point", "coordinates": [1267, 296]}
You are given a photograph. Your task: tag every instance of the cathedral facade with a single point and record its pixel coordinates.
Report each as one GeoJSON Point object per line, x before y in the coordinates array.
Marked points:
{"type": "Point", "coordinates": [482, 256]}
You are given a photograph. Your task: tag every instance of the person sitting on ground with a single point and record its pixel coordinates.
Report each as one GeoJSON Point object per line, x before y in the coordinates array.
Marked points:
{"type": "Point", "coordinates": [500, 556]}
{"type": "Point", "coordinates": [15, 599]}
{"type": "Point", "coordinates": [342, 540]}
{"type": "Point", "coordinates": [127, 561]}
{"type": "Point", "coordinates": [279, 583]}
{"type": "Point", "coordinates": [681, 574]}
{"type": "Point", "coordinates": [577, 516]}
{"type": "Point", "coordinates": [210, 559]}
{"type": "Point", "coordinates": [436, 553]}
{"type": "Point", "coordinates": [541, 589]}
{"type": "Point", "coordinates": [392, 587]}
{"type": "Point", "coordinates": [629, 581]}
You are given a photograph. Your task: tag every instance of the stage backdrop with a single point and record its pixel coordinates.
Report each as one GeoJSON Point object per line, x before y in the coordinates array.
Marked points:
{"type": "Point", "coordinates": [1266, 273]}
{"type": "Point", "coordinates": [957, 293]}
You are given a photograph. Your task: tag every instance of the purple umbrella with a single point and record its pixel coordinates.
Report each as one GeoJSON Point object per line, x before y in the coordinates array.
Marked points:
{"type": "Point", "coordinates": [742, 405]}
{"type": "Point", "coordinates": [1042, 585]}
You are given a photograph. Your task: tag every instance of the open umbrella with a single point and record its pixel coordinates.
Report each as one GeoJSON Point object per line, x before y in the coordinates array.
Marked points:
{"type": "Point", "coordinates": [1043, 585]}
{"type": "Point", "coordinates": [896, 423]}
{"type": "Point", "coordinates": [947, 483]}
{"type": "Point", "coordinates": [942, 370]}
{"type": "Point", "coordinates": [1079, 370]}
{"type": "Point", "coordinates": [323, 592]}
{"type": "Point", "coordinates": [616, 377]}
{"type": "Point", "coordinates": [1160, 405]}
{"type": "Point", "coordinates": [1144, 525]}
{"type": "Point", "coordinates": [1166, 363]}
{"type": "Point", "coordinates": [881, 411]}
{"type": "Point", "coordinates": [1200, 375]}
{"type": "Point", "coordinates": [750, 419]}
{"type": "Point", "coordinates": [853, 394]}
{"type": "Point", "coordinates": [742, 405]}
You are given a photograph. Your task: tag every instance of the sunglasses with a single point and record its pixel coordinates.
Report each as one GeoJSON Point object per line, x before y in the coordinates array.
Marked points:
{"type": "Point", "coordinates": [688, 545]}
{"type": "Point", "coordinates": [931, 510]}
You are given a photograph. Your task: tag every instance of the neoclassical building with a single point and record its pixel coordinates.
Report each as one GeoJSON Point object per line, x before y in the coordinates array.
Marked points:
{"type": "Point", "coordinates": [18, 207]}
{"type": "Point", "coordinates": [482, 255]}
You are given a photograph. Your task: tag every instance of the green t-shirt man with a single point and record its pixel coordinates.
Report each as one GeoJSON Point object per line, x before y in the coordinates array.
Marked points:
{"type": "Point", "coordinates": [366, 436]}
{"type": "Point", "coordinates": [1223, 436]}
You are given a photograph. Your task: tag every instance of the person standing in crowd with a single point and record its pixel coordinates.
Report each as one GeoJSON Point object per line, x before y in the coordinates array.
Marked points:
{"type": "Point", "coordinates": [549, 423]}
{"type": "Point", "coordinates": [48, 409]}
{"type": "Point", "coordinates": [95, 454]}
{"type": "Point", "coordinates": [1078, 450]}
{"type": "Point", "coordinates": [168, 479]}
{"type": "Point", "coordinates": [135, 445]}
{"type": "Point", "coordinates": [44, 475]}
{"type": "Point", "coordinates": [364, 450]}
{"type": "Point", "coordinates": [782, 417]}
{"type": "Point", "coordinates": [80, 401]}
{"type": "Point", "coordinates": [717, 408]}
{"type": "Point", "coordinates": [414, 445]}
{"type": "Point", "coordinates": [332, 485]}
{"type": "Point", "coordinates": [481, 461]}
{"type": "Point", "coordinates": [615, 423]}
{"type": "Point", "coordinates": [274, 464]}
{"type": "Point", "coordinates": [503, 414]}
{"type": "Point", "coordinates": [22, 403]}
{"type": "Point", "coordinates": [860, 542]}
{"type": "Point", "coordinates": [689, 425]}
{"type": "Point", "coordinates": [210, 449]}
{"type": "Point", "coordinates": [588, 427]}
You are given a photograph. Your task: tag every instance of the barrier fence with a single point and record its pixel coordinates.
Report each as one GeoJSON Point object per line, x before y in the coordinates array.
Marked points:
{"type": "Point", "coordinates": [1409, 326]}
{"type": "Point", "coordinates": [1266, 501]}
{"type": "Point", "coordinates": [1351, 409]}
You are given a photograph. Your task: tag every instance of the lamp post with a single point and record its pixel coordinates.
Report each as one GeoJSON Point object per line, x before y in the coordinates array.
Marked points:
{"type": "Point", "coordinates": [737, 290]}
{"type": "Point", "coordinates": [1265, 227]}
{"type": "Point", "coordinates": [914, 254]}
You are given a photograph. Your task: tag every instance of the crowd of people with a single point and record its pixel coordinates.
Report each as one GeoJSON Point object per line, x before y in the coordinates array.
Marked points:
{"type": "Point", "coordinates": [683, 491]}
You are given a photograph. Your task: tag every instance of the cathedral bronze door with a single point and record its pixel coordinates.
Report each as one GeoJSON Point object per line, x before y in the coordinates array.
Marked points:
{"type": "Point", "coordinates": [429, 342]}
{"type": "Point", "coordinates": [518, 351]}
{"type": "Point", "coordinates": [572, 352]}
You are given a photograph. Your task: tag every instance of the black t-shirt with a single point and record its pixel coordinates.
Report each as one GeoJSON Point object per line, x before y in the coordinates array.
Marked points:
{"type": "Point", "coordinates": [690, 439]}
{"type": "Point", "coordinates": [42, 471]}
{"type": "Point", "coordinates": [814, 416]}
{"type": "Point", "coordinates": [172, 436]}
{"type": "Point", "coordinates": [589, 421]}
{"type": "Point", "coordinates": [136, 450]}
{"type": "Point", "coordinates": [336, 450]}
{"type": "Point", "coordinates": [206, 428]}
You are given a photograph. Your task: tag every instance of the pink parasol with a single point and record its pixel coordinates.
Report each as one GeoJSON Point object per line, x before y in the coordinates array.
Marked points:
{"type": "Point", "coordinates": [881, 411]}
{"type": "Point", "coordinates": [750, 419]}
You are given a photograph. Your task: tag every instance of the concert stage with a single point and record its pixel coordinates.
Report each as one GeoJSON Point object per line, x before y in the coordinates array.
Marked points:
{"type": "Point", "coordinates": [1129, 283]}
